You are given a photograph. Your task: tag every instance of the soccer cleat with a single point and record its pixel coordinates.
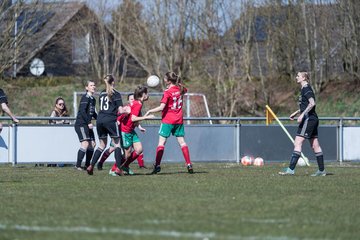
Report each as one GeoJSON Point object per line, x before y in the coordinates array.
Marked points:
{"type": "Point", "coordinates": [319, 173]}
{"type": "Point", "coordinates": [112, 173]}
{"type": "Point", "coordinates": [287, 171]}
{"type": "Point", "coordinates": [90, 170]}
{"type": "Point", "coordinates": [156, 169]}
{"type": "Point", "coordinates": [190, 169]}
{"type": "Point", "coordinates": [100, 166]}
{"type": "Point", "coordinates": [119, 172]}
{"type": "Point", "coordinates": [79, 168]}
{"type": "Point", "coordinates": [127, 170]}
{"type": "Point", "coordinates": [144, 167]}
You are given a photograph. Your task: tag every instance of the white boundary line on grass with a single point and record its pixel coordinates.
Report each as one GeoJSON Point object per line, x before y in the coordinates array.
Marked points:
{"type": "Point", "coordinates": [160, 233]}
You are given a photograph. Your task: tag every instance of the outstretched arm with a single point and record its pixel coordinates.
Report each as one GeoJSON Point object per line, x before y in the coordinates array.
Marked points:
{"type": "Point", "coordinates": [137, 119]}
{"type": "Point", "coordinates": [157, 109]}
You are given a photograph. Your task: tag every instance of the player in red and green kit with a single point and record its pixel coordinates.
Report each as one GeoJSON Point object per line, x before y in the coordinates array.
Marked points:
{"type": "Point", "coordinates": [128, 122]}
{"type": "Point", "coordinates": [172, 119]}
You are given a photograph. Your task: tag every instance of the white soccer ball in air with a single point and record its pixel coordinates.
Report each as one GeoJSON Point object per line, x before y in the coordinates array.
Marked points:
{"type": "Point", "coordinates": [246, 160]}
{"type": "Point", "coordinates": [258, 162]}
{"type": "Point", "coordinates": [153, 81]}
{"type": "Point", "coordinates": [301, 162]}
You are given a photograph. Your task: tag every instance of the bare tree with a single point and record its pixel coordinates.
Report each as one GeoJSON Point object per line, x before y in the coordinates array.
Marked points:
{"type": "Point", "coordinates": [349, 18]}
{"type": "Point", "coordinates": [227, 60]}
{"type": "Point", "coordinates": [158, 35]}
{"type": "Point", "coordinates": [17, 21]}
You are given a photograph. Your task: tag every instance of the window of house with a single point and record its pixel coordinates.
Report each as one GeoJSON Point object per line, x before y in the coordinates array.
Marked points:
{"type": "Point", "coordinates": [81, 49]}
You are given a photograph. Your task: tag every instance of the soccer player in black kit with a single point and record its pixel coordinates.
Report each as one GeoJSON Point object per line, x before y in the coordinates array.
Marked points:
{"type": "Point", "coordinates": [84, 127]}
{"type": "Point", "coordinates": [308, 127]}
{"type": "Point", "coordinates": [110, 104]}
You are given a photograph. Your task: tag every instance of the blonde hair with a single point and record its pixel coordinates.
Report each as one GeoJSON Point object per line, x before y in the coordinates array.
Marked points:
{"type": "Point", "coordinates": [109, 79]}
{"type": "Point", "coordinates": [305, 75]}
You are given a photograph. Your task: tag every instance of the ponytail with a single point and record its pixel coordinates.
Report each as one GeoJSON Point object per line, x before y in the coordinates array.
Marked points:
{"type": "Point", "coordinates": [175, 79]}
{"type": "Point", "coordinates": [109, 79]}
{"type": "Point", "coordinates": [139, 91]}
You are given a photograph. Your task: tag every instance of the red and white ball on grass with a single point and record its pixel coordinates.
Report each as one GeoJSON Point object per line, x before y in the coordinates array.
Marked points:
{"type": "Point", "coordinates": [153, 81]}
{"type": "Point", "coordinates": [247, 160]}
{"type": "Point", "coordinates": [258, 162]}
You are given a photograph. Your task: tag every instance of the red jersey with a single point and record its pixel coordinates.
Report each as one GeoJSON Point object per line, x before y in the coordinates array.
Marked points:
{"type": "Point", "coordinates": [173, 99]}
{"type": "Point", "coordinates": [127, 125]}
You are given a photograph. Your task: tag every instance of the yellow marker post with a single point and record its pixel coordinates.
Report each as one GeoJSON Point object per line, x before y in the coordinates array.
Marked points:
{"type": "Point", "coordinates": [270, 115]}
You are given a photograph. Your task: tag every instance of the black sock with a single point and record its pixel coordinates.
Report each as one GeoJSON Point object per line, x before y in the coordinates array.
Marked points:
{"type": "Point", "coordinates": [96, 156]}
{"type": "Point", "coordinates": [80, 156]}
{"type": "Point", "coordinates": [320, 160]}
{"type": "Point", "coordinates": [89, 154]}
{"type": "Point", "coordinates": [294, 159]}
{"type": "Point", "coordinates": [119, 156]}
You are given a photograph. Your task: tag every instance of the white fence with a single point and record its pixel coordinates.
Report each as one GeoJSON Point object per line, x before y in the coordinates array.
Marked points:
{"type": "Point", "coordinates": [43, 143]}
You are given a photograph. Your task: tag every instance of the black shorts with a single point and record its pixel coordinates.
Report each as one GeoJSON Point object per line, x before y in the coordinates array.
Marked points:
{"type": "Point", "coordinates": [84, 133]}
{"type": "Point", "coordinates": [107, 128]}
{"type": "Point", "coordinates": [308, 128]}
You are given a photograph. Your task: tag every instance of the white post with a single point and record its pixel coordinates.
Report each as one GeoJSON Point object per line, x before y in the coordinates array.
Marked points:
{"type": "Point", "coordinates": [341, 130]}
{"type": "Point", "coordinates": [238, 141]}
{"type": "Point", "coordinates": [12, 145]}
{"type": "Point", "coordinates": [75, 103]}
{"type": "Point", "coordinates": [188, 107]}
{"type": "Point", "coordinates": [206, 107]}
{"type": "Point", "coordinates": [9, 145]}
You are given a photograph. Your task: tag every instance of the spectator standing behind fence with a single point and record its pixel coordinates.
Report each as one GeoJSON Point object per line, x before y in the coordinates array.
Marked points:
{"type": "Point", "coordinates": [5, 108]}
{"type": "Point", "coordinates": [84, 126]}
{"type": "Point", "coordinates": [60, 110]}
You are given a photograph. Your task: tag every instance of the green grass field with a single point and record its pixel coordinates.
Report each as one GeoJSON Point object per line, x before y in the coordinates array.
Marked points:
{"type": "Point", "coordinates": [219, 201]}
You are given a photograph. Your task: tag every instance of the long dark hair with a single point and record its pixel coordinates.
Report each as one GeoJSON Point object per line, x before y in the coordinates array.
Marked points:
{"type": "Point", "coordinates": [60, 112]}
{"type": "Point", "coordinates": [176, 80]}
{"type": "Point", "coordinates": [139, 91]}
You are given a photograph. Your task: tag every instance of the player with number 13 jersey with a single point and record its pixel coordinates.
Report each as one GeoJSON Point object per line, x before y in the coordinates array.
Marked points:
{"type": "Point", "coordinates": [110, 104]}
